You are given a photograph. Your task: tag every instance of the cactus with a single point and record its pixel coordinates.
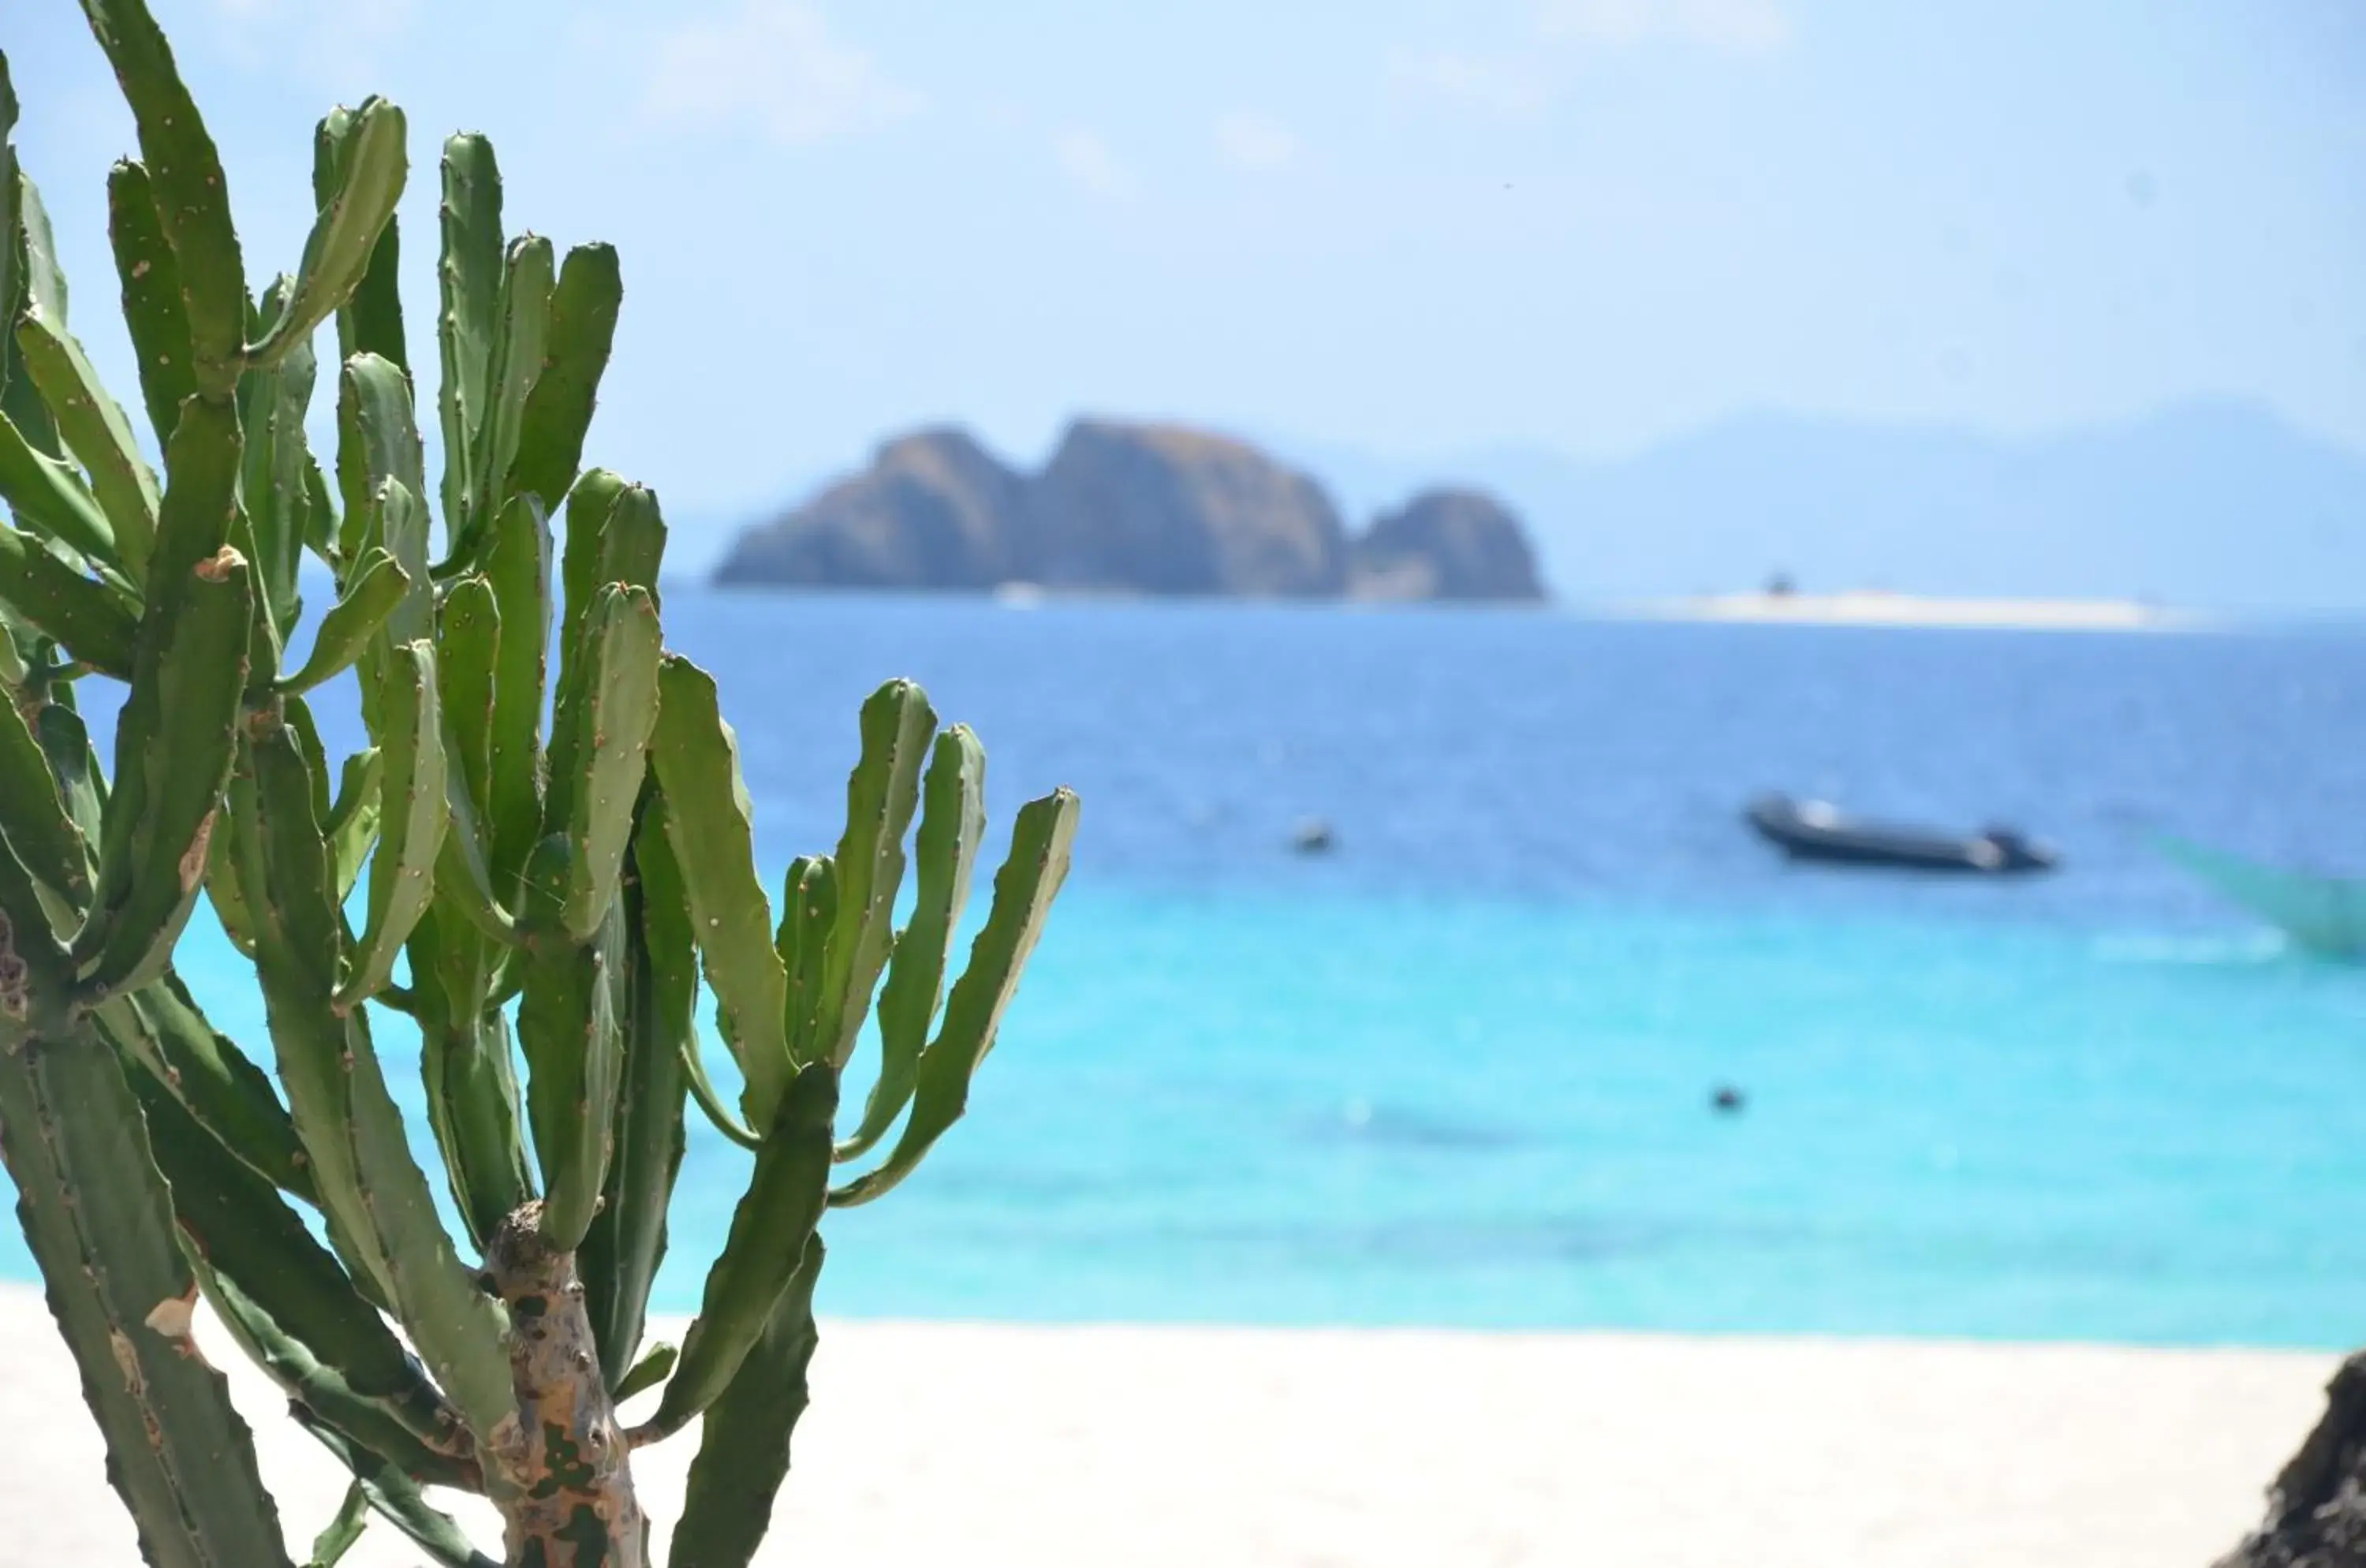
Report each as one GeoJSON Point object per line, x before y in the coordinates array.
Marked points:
{"type": "Point", "coordinates": [551, 896]}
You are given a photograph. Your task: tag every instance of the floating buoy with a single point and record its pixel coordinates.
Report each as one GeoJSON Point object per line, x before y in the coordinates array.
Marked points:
{"type": "Point", "coordinates": [1728, 1100]}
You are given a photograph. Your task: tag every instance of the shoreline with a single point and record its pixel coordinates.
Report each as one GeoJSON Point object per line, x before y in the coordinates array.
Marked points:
{"type": "Point", "coordinates": [1872, 607]}
{"type": "Point", "coordinates": [993, 1445]}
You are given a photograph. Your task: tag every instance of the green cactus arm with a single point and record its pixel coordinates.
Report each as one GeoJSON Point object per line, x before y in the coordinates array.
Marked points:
{"type": "Point", "coordinates": [517, 565]}
{"type": "Point", "coordinates": [648, 1373]}
{"type": "Point", "coordinates": [468, 661]}
{"type": "Point", "coordinates": [469, 277]}
{"type": "Point", "coordinates": [558, 410]}
{"type": "Point", "coordinates": [192, 197]}
{"type": "Point", "coordinates": [468, 666]}
{"type": "Point", "coordinates": [44, 281]}
{"type": "Point", "coordinates": [399, 1499]}
{"type": "Point", "coordinates": [398, 523]}
{"type": "Point", "coordinates": [582, 567]}
{"type": "Point", "coordinates": [152, 307]}
{"type": "Point", "coordinates": [66, 743]}
{"type": "Point", "coordinates": [953, 823]}
{"type": "Point", "coordinates": [626, 1240]}
{"type": "Point", "coordinates": [322, 526]}
{"type": "Point", "coordinates": [294, 1306]}
{"type": "Point", "coordinates": [176, 736]}
{"type": "Point", "coordinates": [599, 750]}
{"type": "Point", "coordinates": [33, 815]}
{"type": "Point", "coordinates": [272, 404]}
{"type": "Point", "coordinates": [1041, 842]}
{"type": "Point", "coordinates": [298, 932]}
{"type": "Point", "coordinates": [34, 280]}
{"type": "Point", "coordinates": [35, 971]}
{"type": "Point", "coordinates": [569, 1027]}
{"type": "Point", "coordinates": [373, 589]}
{"type": "Point", "coordinates": [702, 1091]}
{"type": "Point", "coordinates": [351, 826]}
{"type": "Point", "coordinates": [521, 324]}
{"type": "Point", "coordinates": [320, 1390]}
{"type": "Point", "coordinates": [769, 1227]}
{"type": "Point", "coordinates": [472, 1092]}
{"type": "Point", "coordinates": [457, 1327]}
{"type": "Point", "coordinates": [337, 1095]}
{"type": "Point", "coordinates": [696, 761]}
{"type": "Point", "coordinates": [372, 165]}
{"type": "Point", "coordinates": [809, 912]}
{"type": "Point", "coordinates": [14, 389]}
{"type": "Point", "coordinates": [198, 514]}
{"type": "Point", "coordinates": [377, 441]}
{"type": "Point", "coordinates": [225, 892]}
{"type": "Point", "coordinates": [161, 1027]}
{"type": "Point", "coordinates": [91, 422]}
{"type": "Point", "coordinates": [191, 570]}
{"type": "Point", "coordinates": [463, 875]}
{"type": "Point", "coordinates": [881, 795]}
{"type": "Point", "coordinates": [633, 539]}
{"type": "Point", "coordinates": [48, 493]}
{"type": "Point", "coordinates": [99, 1222]}
{"type": "Point", "coordinates": [340, 1535]}
{"type": "Point", "coordinates": [412, 815]}
{"type": "Point", "coordinates": [370, 321]}
{"type": "Point", "coordinates": [85, 619]}
{"type": "Point", "coordinates": [743, 1452]}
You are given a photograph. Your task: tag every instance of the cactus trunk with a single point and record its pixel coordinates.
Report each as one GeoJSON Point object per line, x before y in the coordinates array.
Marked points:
{"type": "Point", "coordinates": [566, 1492]}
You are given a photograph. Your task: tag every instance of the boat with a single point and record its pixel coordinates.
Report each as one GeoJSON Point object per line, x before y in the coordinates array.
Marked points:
{"type": "Point", "coordinates": [1817, 830]}
{"type": "Point", "coordinates": [2324, 914]}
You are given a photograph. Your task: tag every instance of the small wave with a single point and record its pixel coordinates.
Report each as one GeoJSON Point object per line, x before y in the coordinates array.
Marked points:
{"type": "Point", "coordinates": [2252, 947]}
{"type": "Point", "coordinates": [1358, 1120]}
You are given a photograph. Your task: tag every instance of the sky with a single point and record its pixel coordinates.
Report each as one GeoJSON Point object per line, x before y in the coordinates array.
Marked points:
{"type": "Point", "coordinates": [1406, 227]}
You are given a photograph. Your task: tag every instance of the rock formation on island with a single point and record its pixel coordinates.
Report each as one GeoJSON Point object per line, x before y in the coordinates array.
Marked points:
{"type": "Point", "coordinates": [1127, 508]}
{"type": "Point", "coordinates": [1447, 544]}
{"type": "Point", "coordinates": [934, 510]}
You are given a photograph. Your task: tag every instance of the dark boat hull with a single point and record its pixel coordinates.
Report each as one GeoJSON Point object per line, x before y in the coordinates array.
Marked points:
{"type": "Point", "coordinates": [1810, 831]}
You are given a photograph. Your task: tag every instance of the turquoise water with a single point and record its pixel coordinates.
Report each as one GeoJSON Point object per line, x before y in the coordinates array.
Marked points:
{"type": "Point", "coordinates": [1457, 1073]}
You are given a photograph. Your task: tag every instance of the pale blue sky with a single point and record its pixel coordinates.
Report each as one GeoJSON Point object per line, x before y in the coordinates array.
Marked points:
{"type": "Point", "coordinates": [1410, 226]}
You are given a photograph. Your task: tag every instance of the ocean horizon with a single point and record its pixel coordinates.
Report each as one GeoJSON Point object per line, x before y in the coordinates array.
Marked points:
{"type": "Point", "coordinates": [1456, 1072]}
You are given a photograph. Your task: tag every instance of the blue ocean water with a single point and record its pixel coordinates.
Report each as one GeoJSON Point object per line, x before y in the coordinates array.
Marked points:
{"type": "Point", "coordinates": [1456, 1072]}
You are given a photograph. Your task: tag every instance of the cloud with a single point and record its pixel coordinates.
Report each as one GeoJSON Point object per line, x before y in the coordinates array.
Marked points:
{"type": "Point", "coordinates": [1486, 85]}
{"type": "Point", "coordinates": [1257, 143]}
{"type": "Point", "coordinates": [1521, 86]}
{"type": "Point", "coordinates": [774, 65]}
{"type": "Point", "coordinates": [1092, 165]}
{"type": "Point", "coordinates": [1732, 27]}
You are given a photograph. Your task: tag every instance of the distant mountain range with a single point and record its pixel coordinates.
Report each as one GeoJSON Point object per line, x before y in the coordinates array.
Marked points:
{"type": "Point", "coordinates": [2207, 504]}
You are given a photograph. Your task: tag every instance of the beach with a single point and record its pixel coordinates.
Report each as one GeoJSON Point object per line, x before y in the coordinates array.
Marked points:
{"type": "Point", "coordinates": [1879, 607]}
{"type": "Point", "coordinates": [989, 1445]}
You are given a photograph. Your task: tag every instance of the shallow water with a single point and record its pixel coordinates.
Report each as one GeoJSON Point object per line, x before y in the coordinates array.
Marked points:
{"type": "Point", "coordinates": [1456, 1072]}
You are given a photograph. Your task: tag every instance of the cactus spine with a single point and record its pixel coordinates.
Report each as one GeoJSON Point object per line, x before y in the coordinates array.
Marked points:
{"type": "Point", "coordinates": [550, 897]}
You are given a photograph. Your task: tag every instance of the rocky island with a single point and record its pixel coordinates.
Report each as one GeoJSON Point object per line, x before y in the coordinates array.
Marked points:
{"type": "Point", "coordinates": [1128, 508]}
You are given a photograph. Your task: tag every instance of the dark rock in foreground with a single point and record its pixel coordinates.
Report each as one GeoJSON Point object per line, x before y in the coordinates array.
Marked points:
{"type": "Point", "coordinates": [1126, 508]}
{"type": "Point", "coordinates": [1447, 544]}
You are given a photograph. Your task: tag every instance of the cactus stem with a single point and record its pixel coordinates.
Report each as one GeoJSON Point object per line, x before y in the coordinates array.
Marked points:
{"type": "Point", "coordinates": [566, 1488]}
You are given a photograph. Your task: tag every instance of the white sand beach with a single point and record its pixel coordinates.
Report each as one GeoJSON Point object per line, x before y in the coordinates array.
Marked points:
{"type": "Point", "coordinates": [993, 1445]}
{"type": "Point", "coordinates": [1874, 607]}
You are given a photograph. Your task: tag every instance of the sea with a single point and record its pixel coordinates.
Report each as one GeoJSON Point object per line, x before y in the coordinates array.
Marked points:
{"type": "Point", "coordinates": [1458, 1070]}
